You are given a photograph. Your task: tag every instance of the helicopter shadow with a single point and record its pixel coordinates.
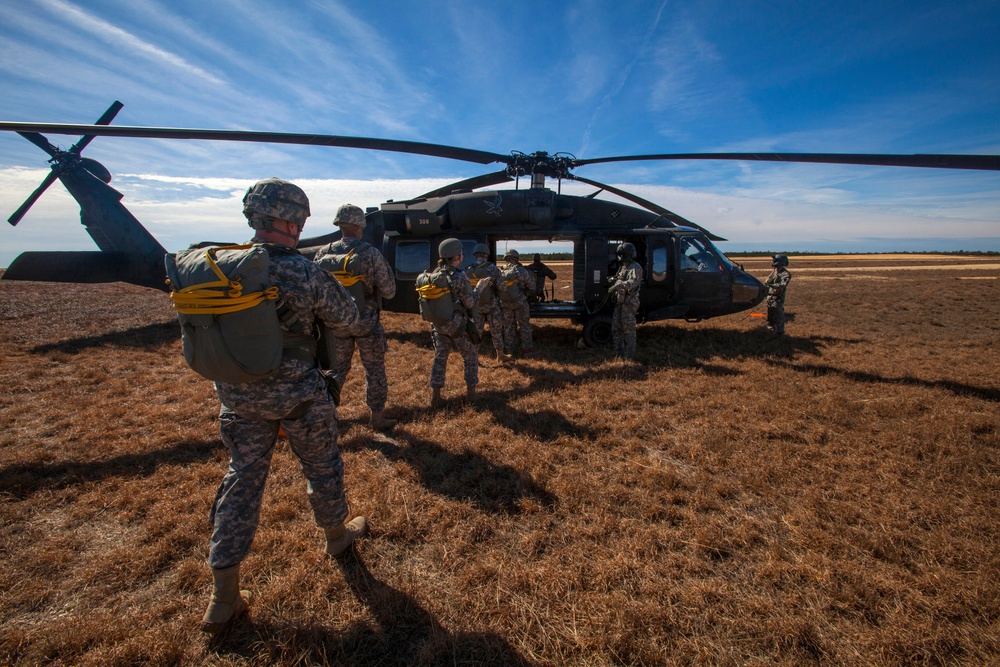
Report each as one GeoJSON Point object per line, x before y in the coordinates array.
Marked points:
{"type": "Point", "coordinates": [466, 477]}
{"type": "Point", "coordinates": [151, 335]}
{"type": "Point", "coordinates": [25, 479]}
{"type": "Point", "coordinates": [958, 388]}
{"type": "Point", "coordinates": [402, 633]}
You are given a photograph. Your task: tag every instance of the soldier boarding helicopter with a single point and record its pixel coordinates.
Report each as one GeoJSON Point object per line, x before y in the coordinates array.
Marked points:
{"type": "Point", "coordinates": [686, 275]}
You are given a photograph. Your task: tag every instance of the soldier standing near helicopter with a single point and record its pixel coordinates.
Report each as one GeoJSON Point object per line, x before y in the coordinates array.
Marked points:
{"type": "Point", "coordinates": [364, 272]}
{"type": "Point", "coordinates": [777, 284]}
{"type": "Point", "coordinates": [624, 288]}
{"type": "Point", "coordinates": [294, 398]}
{"type": "Point", "coordinates": [518, 284]}
{"type": "Point", "coordinates": [453, 333]}
{"type": "Point", "coordinates": [487, 281]}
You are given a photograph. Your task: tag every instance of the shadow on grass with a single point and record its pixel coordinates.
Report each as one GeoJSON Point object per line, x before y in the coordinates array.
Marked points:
{"type": "Point", "coordinates": [957, 388]}
{"type": "Point", "coordinates": [151, 335]}
{"type": "Point", "coordinates": [403, 633]}
{"type": "Point", "coordinates": [23, 480]}
{"type": "Point", "coordinates": [467, 476]}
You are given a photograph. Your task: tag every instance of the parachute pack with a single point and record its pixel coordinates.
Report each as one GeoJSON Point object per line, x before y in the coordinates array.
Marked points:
{"type": "Point", "coordinates": [434, 294]}
{"type": "Point", "coordinates": [228, 310]}
{"type": "Point", "coordinates": [347, 274]}
{"type": "Point", "coordinates": [487, 297]}
{"type": "Point", "coordinates": [511, 291]}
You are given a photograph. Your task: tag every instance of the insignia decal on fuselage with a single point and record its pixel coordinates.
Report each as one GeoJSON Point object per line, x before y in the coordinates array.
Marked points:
{"type": "Point", "coordinates": [495, 207]}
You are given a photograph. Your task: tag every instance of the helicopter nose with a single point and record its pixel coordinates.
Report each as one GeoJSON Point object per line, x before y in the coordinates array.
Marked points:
{"type": "Point", "coordinates": [747, 290]}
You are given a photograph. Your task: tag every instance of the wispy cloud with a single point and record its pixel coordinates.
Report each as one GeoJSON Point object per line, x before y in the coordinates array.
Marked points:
{"type": "Point", "coordinates": [118, 37]}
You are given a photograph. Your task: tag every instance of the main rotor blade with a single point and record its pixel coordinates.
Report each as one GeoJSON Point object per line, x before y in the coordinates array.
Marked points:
{"type": "Point", "coordinates": [105, 119]}
{"type": "Point", "coordinates": [19, 213]}
{"type": "Point", "coordinates": [392, 145]}
{"type": "Point", "coordinates": [41, 142]}
{"type": "Point", "coordinates": [655, 208]}
{"type": "Point", "coordinates": [983, 162]}
{"type": "Point", "coordinates": [473, 183]}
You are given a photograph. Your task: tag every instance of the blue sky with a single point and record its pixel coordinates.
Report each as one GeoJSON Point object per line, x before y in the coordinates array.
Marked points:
{"type": "Point", "coordinates": [589, 78]}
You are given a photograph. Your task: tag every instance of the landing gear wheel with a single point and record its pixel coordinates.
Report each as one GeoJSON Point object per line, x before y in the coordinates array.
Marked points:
{"type": "Point", "coordinates": [597, 331]}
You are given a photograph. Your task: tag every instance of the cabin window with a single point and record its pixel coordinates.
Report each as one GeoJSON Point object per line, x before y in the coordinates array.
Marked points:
{"type": "Point", "coordinates": [468, 245]}
{"type": "Point", "coordinates": [659, 269]}
{"type": "Point", "coordinates": [412, 258]}
{"type": "Point", "coordinates": [695, 256]}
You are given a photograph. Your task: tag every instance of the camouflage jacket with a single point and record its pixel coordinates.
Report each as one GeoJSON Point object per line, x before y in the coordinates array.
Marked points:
{"type": "Point", "coordinates": [776, 284]}
{"type": "Point", "coordinates": [626, 283]}
{"type": "Point", "coordinates": [370, 265]}
{"type": "Point", "coordinates": [311, 294]}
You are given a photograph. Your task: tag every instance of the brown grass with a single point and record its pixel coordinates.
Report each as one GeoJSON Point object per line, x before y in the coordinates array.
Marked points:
{"type": "Point", "coordinates": [827, 498]}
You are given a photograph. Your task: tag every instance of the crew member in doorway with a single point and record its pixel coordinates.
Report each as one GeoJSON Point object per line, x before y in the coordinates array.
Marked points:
{"type": "Point", "coordinates": [540, 271]}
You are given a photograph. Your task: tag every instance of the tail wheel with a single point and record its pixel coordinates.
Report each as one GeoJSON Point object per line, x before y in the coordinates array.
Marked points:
{"type": "Point", "coordinates": [597, 331]}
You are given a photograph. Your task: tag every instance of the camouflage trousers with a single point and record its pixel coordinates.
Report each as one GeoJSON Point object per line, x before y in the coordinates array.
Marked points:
{"type": "Point", "coordinates": [516, 321]}
{"type": "Point", "coordinates": [371, 348]}
{"type": "Point", "coordinates": [236, 510]}
{"type": "Point", "coordinates": [623, 330]}
{"type": "Point", "coordinates": [776, 315]}
{"type": "Point", "coordinates": [495, 319]}
{"type": "Point", "coordinates": [446, 338]}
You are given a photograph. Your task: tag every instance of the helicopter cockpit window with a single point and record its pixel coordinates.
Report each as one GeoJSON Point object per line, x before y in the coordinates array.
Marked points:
{"type": "Point", "coordinates": [695, 256]}
{"type": "Point", "coordinates": [659, 269]}
{"type": "Point", "coordinates": [412, 257]}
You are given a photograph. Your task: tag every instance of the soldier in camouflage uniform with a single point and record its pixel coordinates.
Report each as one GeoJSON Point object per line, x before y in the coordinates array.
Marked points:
{"type": "Point", "coordinates": [486, 280]}
{"type": "Point", "coordinates": [353, 261]}
{"type": "Point", "coordinates": [294, 399]}
{"type": "Point", "coordinates": [518, 284]}
{"type": "Point", "coordinates": [776, 285]}
{"type": "Point", "coordinates": [625, 289]}
{"type": "Point", "coordinates": [454, 334]}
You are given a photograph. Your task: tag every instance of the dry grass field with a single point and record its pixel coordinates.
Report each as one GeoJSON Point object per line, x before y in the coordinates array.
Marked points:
{"type": "Point", "coordinates": [828, 498]}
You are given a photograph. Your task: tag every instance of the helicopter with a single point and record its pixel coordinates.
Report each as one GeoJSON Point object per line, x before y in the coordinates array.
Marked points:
{"type": "Point", "coordinates": [686, 275]}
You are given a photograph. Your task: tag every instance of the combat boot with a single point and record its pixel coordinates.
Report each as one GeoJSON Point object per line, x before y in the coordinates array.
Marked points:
{"type": "Point", "coordinates": [380, 423]}
{"type": "Point", "coordinates": [340, 538]}
{"type": "Point", "coordinates": [503, 358]}
{"type": "Point", "coordinates": [228, 601]}
{"type": "Point", "coordinates": [470, 393]}
{"type": "Point", "coordinates": [436, 400]}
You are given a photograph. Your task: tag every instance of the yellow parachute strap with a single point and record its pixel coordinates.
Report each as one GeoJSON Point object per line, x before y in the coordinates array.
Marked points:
{"type": "Point", "coordinates": [345, 277]}
{"type": "Point", "coordinates": [432, 291]}
{"type": "Point", "coordinates": [508, 283]}
{"type": "Point", "coordinates": [221, 296]}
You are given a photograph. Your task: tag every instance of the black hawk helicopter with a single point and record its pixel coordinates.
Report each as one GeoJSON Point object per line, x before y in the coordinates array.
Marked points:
{"type": "Point", "coordinates": [686, 275]}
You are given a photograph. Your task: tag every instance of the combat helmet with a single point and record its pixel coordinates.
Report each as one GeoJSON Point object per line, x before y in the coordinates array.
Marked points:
{"type": "Point", "coordinates": [273, 198]}
{"type": "Point", "coordinates": [450, 248]}
{"type": "Point", "coordinates": [481, 249]}
{"type": "Point", "coordinates": [779, 260]}
{"type": "Point", "coordinates": [626, 252]}
{"type": "Point", "coordinates": [512, 255]}
{"type": "Point", "coordinates": [349, 214]}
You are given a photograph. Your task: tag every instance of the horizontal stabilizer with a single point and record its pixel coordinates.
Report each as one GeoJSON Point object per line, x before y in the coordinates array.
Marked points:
{"type": "Point", "coordinates": [83, 267]}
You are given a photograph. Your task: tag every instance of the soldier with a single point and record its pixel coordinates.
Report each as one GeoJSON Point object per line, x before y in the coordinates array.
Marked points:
{"type": "Point", "coordinates": [454, 334]}
{"type": "Point", "coordinates": [518, 284]}
{"type": "Point", "coordinates": [625, 289]}
{"type": "Point", "coordinates": [540, 272]}
{"type": "Point", "coordinates": [776, 285]}
{"type": "Point", "coordinates": [364, 272]}
{"type": "Point", "coordinates": [295, 399]}
{"type": "Point", "coordinates": [486, 280]}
